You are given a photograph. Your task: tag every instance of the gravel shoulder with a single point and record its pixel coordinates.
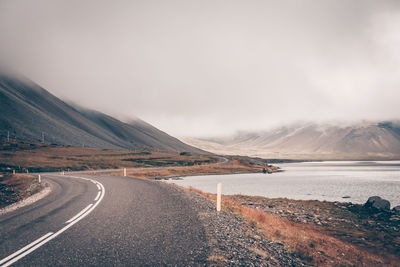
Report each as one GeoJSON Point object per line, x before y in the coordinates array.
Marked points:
{"type": "Point", "coordinates": [233, 241]}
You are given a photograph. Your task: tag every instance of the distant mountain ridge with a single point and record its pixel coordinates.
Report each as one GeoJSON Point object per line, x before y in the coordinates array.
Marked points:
{"type": "Point", "coordinates": [27, 110]}
{"type": "Point", "coordinates": [364, 140]}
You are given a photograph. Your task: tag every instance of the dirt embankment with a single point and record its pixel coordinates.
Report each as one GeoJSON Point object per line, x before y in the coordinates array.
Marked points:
{"type": "Point", "coordinates": [16, 187]}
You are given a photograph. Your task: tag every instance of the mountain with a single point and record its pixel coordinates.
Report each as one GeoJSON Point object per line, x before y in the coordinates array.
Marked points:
{"type": "Point", "coordinates": [364, 140]}
{"type": "Point", "coordinates": [27, 111]}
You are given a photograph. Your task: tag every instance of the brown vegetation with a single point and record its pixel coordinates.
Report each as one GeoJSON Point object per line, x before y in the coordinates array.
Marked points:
{"type": "Point", "coordinates": [377, 232]}
{"type": "Point", "coordinates": [37, 157]}
{"type": "Point", "coordinates": [234, 166]}
{"type": "Point", "coordinates": [314, 245]}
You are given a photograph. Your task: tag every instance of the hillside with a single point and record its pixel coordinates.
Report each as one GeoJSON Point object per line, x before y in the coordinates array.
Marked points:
{"type": "Point", "coordinates": [27, 111]}
{"type": "Point", "coordinates": [365, 140]}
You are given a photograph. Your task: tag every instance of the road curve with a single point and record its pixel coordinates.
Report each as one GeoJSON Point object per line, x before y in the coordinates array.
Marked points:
{"type": "Point", "coordinates": [105, 221]}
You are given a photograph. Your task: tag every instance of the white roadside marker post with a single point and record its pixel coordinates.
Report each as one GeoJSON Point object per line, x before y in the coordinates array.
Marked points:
{"type": "Point", "coordinates": [124, 171]}
{"type": "Point", "coordinates": [39, 179]}
{"type": "Point", "coordinates": [219, 192]}
{"type": "Point", "coordinates": [13, 171]}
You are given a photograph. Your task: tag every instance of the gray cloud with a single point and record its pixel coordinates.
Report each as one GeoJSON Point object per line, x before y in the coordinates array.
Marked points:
{"type": "Point", "coordinates": [211, 67]}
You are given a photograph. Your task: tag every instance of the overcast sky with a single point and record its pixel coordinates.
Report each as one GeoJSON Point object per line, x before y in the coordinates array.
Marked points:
{"type": "Point", "coordinates": [206, 68]}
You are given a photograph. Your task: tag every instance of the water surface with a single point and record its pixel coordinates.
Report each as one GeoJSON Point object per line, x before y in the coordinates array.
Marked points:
{"type": "Point", "coordinates": [329, 180]}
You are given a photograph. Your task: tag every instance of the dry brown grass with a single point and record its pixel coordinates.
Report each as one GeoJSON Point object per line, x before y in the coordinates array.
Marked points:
{"type": "Point", "coordinates": [38, 157]}
{"type": "Point", "coordinates": [305, 240]}
{"type": "Point", "coordinates": [351, 223]}
{"type": "Point", "coordinates": [234, 166]}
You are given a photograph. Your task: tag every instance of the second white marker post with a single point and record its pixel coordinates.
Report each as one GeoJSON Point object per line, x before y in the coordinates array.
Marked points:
{"type": "Point", "coordinates": [219, 193]}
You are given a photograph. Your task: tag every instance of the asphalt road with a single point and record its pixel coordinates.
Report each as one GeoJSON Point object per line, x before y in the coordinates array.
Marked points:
{"type": "Point", "coordinates": [109, 221]}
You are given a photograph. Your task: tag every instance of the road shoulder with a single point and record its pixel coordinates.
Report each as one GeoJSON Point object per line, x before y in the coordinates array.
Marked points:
{"type": "Point", "coordinates": [233, 241]}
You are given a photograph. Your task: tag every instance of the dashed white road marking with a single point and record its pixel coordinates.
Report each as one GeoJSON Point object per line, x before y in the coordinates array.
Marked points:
{"type": "Point", "coordinates": [49, 236]}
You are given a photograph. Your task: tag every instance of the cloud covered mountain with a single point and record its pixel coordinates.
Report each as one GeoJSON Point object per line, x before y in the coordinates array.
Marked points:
{"type": "Point", "coordinates": [363, 140]}
{"type": "Point", "coordinates": [27, 111]}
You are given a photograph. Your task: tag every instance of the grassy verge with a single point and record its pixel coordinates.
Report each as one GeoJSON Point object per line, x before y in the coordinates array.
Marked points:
{"type": "Point", "coordinates": [319, 245]}
{"type": "Point", "coordinates": [34, 157]}
{"type": "Point", "coordinates": [233, 166]}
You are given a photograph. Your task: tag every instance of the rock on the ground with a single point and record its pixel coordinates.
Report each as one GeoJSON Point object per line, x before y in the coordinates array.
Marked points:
{"type": "Point", "coordinates": [377, 204]}
{"type": "Point", "coordinates": [396, 209]}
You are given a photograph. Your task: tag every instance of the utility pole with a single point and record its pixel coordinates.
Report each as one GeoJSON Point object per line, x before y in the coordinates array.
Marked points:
{"type": "Point", "coordinates": [8, 136]}
{"type": "Point", "coordinates": [43, 137]}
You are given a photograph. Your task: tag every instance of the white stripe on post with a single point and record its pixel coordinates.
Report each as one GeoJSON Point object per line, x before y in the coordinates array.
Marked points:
{"type": "Point", "coordinates": [124, 171]}
{"type": "Point", "coordinates": [219, 192]}
{"type": "Point", "coordinates": [39, 179]}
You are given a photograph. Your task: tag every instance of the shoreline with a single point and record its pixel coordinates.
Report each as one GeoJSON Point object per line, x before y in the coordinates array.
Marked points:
{"type": "Point", "coordinates": [308, 183]}
{"type": "Point", "coordinates": [200, 174]}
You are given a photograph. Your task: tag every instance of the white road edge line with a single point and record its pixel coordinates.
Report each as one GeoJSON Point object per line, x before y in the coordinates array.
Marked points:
{"type": "Point", "coordinates": [79, 214]}
{"type": "Point", "coordinates": [25, 248]}
{"type": "Point", "coordinates": [51, 236]}
{"type": "Point", "coordinates": [98, 195]}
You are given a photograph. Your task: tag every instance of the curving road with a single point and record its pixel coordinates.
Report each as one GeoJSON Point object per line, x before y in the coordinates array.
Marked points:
{"type": "Point", "coordinates": [103, 221]}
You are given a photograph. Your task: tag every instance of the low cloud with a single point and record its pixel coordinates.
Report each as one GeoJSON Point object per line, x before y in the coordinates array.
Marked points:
{"type": "Point", "coordinates": [199, 68]}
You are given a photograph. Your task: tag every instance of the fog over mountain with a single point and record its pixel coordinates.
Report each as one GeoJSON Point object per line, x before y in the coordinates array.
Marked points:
{"type": "Point", "coordinates": [363, 140]}
{"type": "Point", "coordinates": [27, 111]}
{"type": "Point", "coordinates": [201, 68]}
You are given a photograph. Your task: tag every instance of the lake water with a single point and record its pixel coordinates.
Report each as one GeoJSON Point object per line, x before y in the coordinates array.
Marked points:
{"type": "Point", "coordinates": [329, 181]}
